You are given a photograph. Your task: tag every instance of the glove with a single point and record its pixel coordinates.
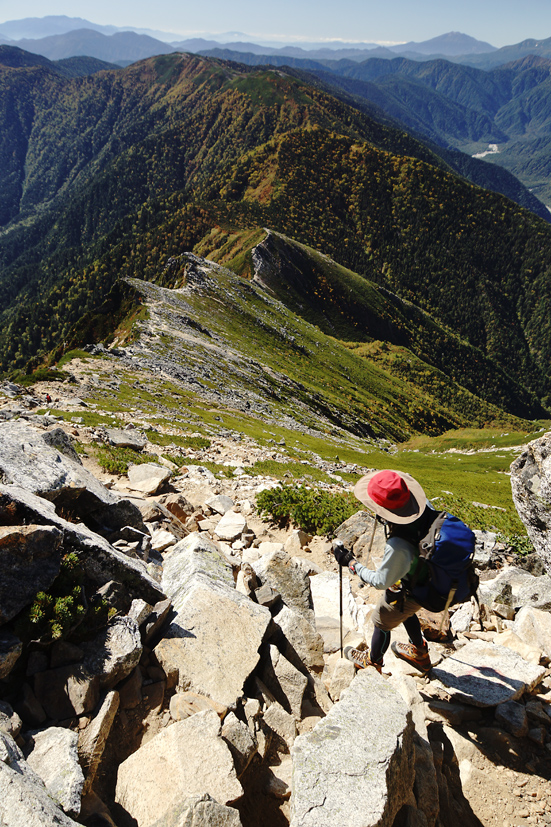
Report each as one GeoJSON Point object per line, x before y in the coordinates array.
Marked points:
{"type": "Point", "coordinates": [343, 555]}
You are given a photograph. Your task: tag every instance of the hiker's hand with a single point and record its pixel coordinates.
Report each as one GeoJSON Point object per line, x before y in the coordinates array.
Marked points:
{"type": "Point", "coordinates": [343, 555]}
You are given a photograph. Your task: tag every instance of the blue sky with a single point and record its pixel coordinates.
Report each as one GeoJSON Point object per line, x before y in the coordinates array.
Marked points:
{"type": "Point", "coordinates": [499, 22]}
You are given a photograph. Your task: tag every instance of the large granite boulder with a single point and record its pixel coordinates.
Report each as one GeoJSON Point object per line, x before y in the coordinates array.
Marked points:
{"type": "Point", "coordinates": [214, 637]}
{"type": "Point", "coordinates": [30, 558]}
{"type": "Point", "coordinates": [148, 477]}
{"type": "Point", "coordinates": [24, 799]}
{"type": "Point", "coordinates": [300, 643]}
{"type": "Point", "coordinates": [99, 560]}
{"type": "Point", "coordinates": [533, 627]}
{"type": "Point", "coordinates": [187, 758]}
{"type": "Point", "coordinates": [115, 651]}
{"type": "Point", "coordinates": [356, 767]}
{"type": "Point", "coordinates": [10, 651]}
{"type": "Point", "coordinates": [92, 739]}
{"type": "Point", "coordinates": [531, 487]}
{"type": "Point", "coordinates": [54, 757]}
{"type": "Point", "coordinates": [285, 576]}
{"type": "Point", "coordinates": [32, 460]}
{"type": "Point", "coordinates": [483, 674]}
{"type": "Point", "coordinates": [200, 811]}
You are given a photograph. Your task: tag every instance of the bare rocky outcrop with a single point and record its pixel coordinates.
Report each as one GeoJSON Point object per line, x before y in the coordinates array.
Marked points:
{"type": "Point", "coordinates": [32, 460]}
{"type": "Point", "coordinates": [24, 799]}
{"type": "Point", "coordinates": [199, 760]}
{"type": "Point", "coordinates": [531, 487]}
{"type": "Point", "coordinates": [208, 610]}
{"type": "Point", "coordinates": [357, 765]}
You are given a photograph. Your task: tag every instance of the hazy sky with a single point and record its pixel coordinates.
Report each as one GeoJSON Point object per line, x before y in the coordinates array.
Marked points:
{"type": "Point", "coordinates": [499, 22]}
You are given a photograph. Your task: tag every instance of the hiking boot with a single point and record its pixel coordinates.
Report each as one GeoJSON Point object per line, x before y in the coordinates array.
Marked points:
{"type": "Point", "coordinates": [417, 657]}
{"type": "Point", "coordinates": [360, 658]}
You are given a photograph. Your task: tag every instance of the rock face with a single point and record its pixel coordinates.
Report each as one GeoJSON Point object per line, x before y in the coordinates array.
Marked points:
{"type": "Point", "coordinates": [10, 650]}
{"type": "Point", "coordinates": [485, 675]}
{"type": "Point", "coordinates": [340, 778]}
{"type": "Point", "coordinates": [200, 811]}
{"type": "Point", "coordinates": [198, 760]}
{"type": "Point", "coordinates": [148, 477]}
{"type": "Point", "coordinates": [54, 758]}
{"type": "Point", "coordinates": [214, 637]}
{"type": "Point", "coordinates": [101, 562]}
{"type": "Point", "coordinates": [28, 461]}
{"type": "Point", "coordinates": [24, 800]}
{"type": "Point", "coordinates": [531, 487]}
{"type": "Point", "coordinates": [30, 558]}
{"type": "Point", "coordinates": [285, 576]}
{"type": "Point", "coordinates": [115, 652]}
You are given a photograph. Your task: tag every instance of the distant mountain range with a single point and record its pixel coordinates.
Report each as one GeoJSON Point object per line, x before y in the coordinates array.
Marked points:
{"type": "Point", "coordinates": [64, 29]}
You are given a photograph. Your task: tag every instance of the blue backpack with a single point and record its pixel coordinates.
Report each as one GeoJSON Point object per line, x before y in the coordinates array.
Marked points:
{"type": "Point", "coordinates": [444, 572]}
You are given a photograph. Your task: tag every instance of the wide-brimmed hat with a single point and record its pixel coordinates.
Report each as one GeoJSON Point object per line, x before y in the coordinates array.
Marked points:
{"type": "Point", "coordinates": [393, 495]}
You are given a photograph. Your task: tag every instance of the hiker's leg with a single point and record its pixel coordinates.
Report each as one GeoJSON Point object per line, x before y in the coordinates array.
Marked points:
{"type": "Point", "coordinates": [380, 642]}
{"type": "Point", "coordinates": [413, 628]}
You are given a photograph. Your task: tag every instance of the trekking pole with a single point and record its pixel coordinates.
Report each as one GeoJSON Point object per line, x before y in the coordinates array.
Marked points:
{"type": "Point", "coordinates": [340, 607]}
{"type": "Point", "coordinates": [375, 521]}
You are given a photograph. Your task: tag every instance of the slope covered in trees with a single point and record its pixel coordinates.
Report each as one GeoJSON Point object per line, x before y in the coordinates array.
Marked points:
{"type": "Point", "coordinates": [119, 172]}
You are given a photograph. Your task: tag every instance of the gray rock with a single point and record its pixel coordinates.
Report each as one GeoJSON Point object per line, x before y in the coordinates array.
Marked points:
{"type": "Point", "coordinates": [24, 800]}
{"type": "Point", "coordinates": [483, 674]}
{"type": "Point", "coordinates": [281, 722]}
{"type": "Point", "coordinates": [114, 652]}
{"type": "Point", "coordinates": [265, 595]}
{"type": "Point", "coordinates": [199, 762]}
{"type": "Point", "coordinates": [355, 527]}
{"type": "Point", "coordinates": [213, 639]}
{"type": "Point", "coordinates": [10, 722]}
{"type": "Point", "coordinates": [284, 576]}
{"type": "Point", "coordinates": [29, 708]}
{"type": "Point", "coordinates": [67, 691]}
{"type": "Point", "coordinates": [531, 488]}
{"type": "Point", "coordinates": [285, 682]}
{"type": "Point", "coordinates": [220, 503]}
{"type": "Point", "coordinates": [30, 559]}
{"type": "Point", "coordinates": [99, 560]}
{"type": "Point", "coordinates": [342, 677]}
{"type": "Point", "coordinates": [64, 653]}
{"type": "Point", "coordinates": [238, 737]}
{"type": "Point", "coordinates": [57, 438]}
{"type": "Point", "coordinates": [533, 627]}
{"type": "Point", "coordinates": [148, 477]}
{"type": "Point", "coordinates": [54, 758]}
{"type": "Point", "coordinates": [92, 739]}
{"type": "Point", "coordinates": [536, 593]}
{"type": "Point", "coordinates": [357, 781]}
{"type": "Point", "coordinates": [200, 811]}
{"type": "Point", "coordinates": [461, 619]}
{"type": "Point", "coordinates": [504, 590]}
{"type": "Point", "coordinates": [512, 717]}
{"type": "Point", "coordinates": [231, 526]}
{"type": "Point", "coordinates": [27, 461]}
{"type": "Point", "coordinates": [10, 651]}
{"type": "Point", "coordinates": [126, 439]}
{"type": "Point", "coordinates": [301, 641]}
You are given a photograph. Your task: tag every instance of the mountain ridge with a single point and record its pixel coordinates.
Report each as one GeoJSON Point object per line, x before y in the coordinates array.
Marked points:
{"type": "Point", "coordinates": [197, 150]}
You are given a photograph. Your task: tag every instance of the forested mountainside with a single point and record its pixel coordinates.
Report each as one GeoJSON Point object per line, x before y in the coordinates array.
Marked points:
{"type": "Point", "coordinates": [457, 106]}
{"type": "Point", "coordinates": [119, 172]}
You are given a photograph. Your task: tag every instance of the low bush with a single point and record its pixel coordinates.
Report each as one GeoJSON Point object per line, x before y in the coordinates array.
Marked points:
{"type": "Point", "coordinates": [313, 510]}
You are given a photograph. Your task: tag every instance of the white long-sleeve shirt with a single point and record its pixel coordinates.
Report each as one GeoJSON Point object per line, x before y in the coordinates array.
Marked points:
{"type": "Point", "coordinates": [397, 560]}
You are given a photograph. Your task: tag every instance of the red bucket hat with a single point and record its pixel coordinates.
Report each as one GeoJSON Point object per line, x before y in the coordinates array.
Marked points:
{"type": "Point", "coordinates": [393, 495]}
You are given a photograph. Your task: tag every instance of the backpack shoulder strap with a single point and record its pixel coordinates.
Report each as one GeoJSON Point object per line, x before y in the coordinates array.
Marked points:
{"type": "Point", "coordinates": [427, 543]}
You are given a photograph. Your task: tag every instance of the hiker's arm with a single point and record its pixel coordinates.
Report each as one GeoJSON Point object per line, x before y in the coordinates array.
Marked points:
{"type": "Point", "coordinates": [395, 564]}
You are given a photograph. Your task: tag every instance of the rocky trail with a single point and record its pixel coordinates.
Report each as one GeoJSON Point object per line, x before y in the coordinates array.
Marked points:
{"type": "Point", "coordinates": [168, 658]}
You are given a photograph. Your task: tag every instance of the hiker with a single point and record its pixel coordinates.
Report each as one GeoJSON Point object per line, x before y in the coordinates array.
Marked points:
{"type": "Point", "coordinates": [400, 503]}
{"type": "Point", "coordinates": [48, 398]}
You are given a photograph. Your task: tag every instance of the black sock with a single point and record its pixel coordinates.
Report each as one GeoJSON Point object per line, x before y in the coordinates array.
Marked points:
{"type": "Point", "coordinates": [379, 644]}
{"type": "Point", "coordinates": [413, 628]}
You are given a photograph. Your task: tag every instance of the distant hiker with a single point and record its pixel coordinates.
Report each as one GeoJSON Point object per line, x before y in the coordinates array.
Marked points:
{"type": "Point", "coordinates": [48, 398]}
{"type": "Point", "coordinates": [400, 502]}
